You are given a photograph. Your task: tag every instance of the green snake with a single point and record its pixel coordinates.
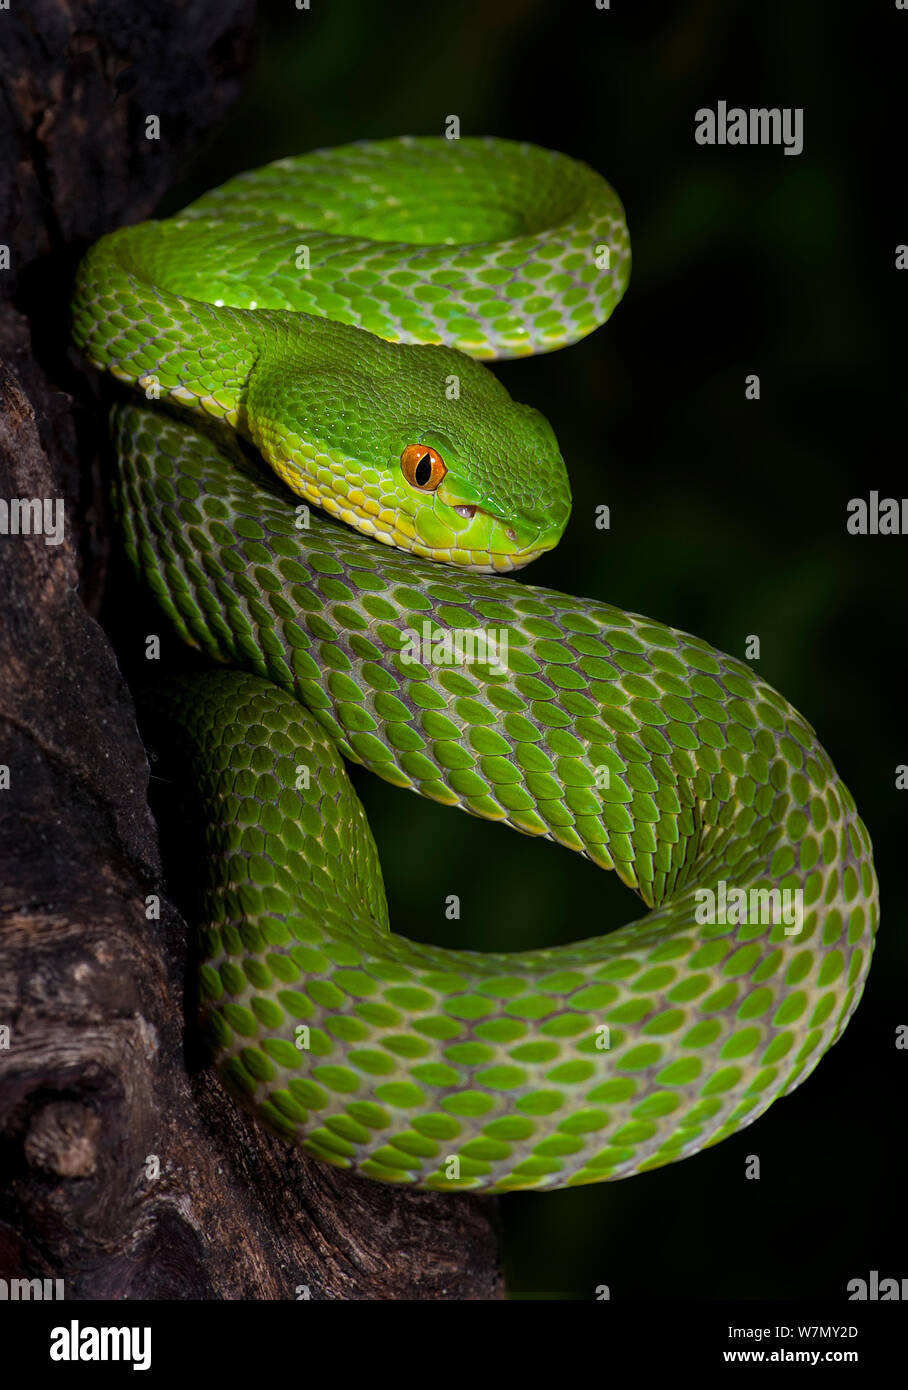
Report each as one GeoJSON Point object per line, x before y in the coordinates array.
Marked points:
{"type": "Point", "coordinates": [327, 313]}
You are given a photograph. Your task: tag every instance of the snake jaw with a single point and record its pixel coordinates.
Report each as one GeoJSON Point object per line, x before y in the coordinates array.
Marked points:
{"type": "Point", "coordinates": [511, 543]}
{"type": "Point", "coordinates": [511, 539]}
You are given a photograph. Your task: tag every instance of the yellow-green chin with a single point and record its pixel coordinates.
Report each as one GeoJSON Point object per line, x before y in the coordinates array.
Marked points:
{"type": "Point", "coordinates": [495, 550]}
{"type": "Point", "coordinates": [485, 561]}
{"type": "Point", "coordinates": [482, 542]}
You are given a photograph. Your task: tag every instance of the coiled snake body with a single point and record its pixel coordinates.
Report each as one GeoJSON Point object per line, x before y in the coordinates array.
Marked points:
{"type": "Point", "coordinates": [287, 308]}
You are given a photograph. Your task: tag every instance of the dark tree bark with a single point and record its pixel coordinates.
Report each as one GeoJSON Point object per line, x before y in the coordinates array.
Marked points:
{"type": "Point", "coordinates": [124, 1168]}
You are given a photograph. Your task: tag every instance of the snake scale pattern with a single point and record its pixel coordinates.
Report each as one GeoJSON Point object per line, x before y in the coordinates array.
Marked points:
{"type": "Point", "coordinates": [315, 313]}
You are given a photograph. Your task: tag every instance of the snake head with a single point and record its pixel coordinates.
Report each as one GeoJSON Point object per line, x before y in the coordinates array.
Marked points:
{"type": "Point", "coordinates": [419, 447]}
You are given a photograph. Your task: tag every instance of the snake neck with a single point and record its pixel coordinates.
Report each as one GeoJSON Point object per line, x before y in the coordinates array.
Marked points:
{"type": "Point", "coordinates": [187, 351]}
{"type": "Point", "coordinates": [237, 365]}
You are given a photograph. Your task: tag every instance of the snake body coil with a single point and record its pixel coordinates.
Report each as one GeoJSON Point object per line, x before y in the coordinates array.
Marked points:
{"type": "Point", "coordinates": [637, 745]}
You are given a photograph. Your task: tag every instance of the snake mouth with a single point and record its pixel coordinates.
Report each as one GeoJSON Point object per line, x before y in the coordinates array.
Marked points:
{"type": "Point", "coordinates": [468, 512]}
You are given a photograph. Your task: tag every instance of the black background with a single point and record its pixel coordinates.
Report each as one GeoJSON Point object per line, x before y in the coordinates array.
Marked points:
{"type": "Point", "coordinates": [728, 519]}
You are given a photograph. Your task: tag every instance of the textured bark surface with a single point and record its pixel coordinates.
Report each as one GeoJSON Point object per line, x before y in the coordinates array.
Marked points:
{"type": "Point", "coordinates": [124, 1169]}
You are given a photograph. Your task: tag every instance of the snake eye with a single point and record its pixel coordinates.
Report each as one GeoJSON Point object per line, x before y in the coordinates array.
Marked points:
{"type": "Point", "coordinates": [422, 467]}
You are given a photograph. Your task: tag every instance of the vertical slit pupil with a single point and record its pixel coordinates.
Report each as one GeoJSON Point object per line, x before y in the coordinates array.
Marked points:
{"type": "Point", "coordinates": [423, 470]}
